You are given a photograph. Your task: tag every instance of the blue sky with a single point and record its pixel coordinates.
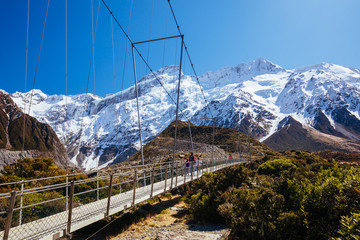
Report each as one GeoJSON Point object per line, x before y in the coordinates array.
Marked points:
{"type": "Point", "coordinates": [291, 33]}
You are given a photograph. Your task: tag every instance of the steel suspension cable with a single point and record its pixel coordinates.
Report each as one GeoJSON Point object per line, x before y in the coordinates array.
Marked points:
{"type": "Point", "coordinates": [164, 47]}
{"type": "Point", "coordinates": [26, 69]}
{"type": "Point", "coordinates": [88, 77]}
{"type": "Point", "coordinates": [142, 58]}
{"type": "Point", "coordinates": [113, 54]}
{"type": "Point", "coordinates": [151, 20]}
{"type": "Point", "coordinates": [38, 58]}
{"type": "Point", "coordinates": [93, 41]}
{"type": "Point", "coordinates": [66, 74]}
{"type": "Point", "coordinates": [127, 43]}
{"type": "Point", "coordinates": [197, 79]}
{"type": "Point", "coordinates": [124, 66]}
{"type": "Point", "coordinates": [191, 63]}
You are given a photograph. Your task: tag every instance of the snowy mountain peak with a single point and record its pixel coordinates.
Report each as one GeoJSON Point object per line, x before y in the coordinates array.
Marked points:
{"type": "Point", "coordinates": [252, 97]}
{"type": "Point", "coordinates": [240, 73]}
{"type": "Point", "coordinates": [329, 68]}
{"type": "Point", "coordinates": [260, 65]}
{"type": "Point", "coordinates": [166, 73]}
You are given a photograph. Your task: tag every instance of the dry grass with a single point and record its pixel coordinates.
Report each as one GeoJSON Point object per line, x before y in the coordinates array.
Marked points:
{"type": "Point", "coordinates": [153, 222]}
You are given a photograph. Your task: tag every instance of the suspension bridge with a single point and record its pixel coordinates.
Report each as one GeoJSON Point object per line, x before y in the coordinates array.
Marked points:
{"type": "Point", "coordinates": [106, 191]}
{"type": "Point", "coordinates": [64, 204]}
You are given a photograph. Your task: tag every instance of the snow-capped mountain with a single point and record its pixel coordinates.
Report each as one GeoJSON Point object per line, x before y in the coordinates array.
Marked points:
{"type": "Point", "coordinates": [252, 97]}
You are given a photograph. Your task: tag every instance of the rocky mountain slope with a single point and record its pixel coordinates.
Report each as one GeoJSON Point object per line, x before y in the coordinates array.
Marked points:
{"type": "Point", "coordinates": [40, 139]}
{"type": "Point", "coordinates": [256, 98]}
{"type": "Point", "coordinates": [198, 139]}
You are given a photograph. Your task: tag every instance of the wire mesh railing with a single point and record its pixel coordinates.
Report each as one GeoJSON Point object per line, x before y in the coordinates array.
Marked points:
{"type": "Point", "coordinates": [56, 206]}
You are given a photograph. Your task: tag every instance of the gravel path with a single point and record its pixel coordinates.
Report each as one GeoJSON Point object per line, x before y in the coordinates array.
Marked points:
{"type": "Point", "coordinates": [171, 223]}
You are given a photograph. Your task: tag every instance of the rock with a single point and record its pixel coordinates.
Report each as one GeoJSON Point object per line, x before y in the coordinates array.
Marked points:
{"type": "Point", "coordinates": [193, 235]}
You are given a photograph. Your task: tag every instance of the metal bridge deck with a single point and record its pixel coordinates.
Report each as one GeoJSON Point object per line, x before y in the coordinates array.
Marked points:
{"type": "Point", "coordinates": [54, 226]}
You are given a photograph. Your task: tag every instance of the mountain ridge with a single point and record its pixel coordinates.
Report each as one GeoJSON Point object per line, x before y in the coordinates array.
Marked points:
{"type": "Point", "coordinates": [36, 140]}
{"type": "Point", "coordinates": [251, 97]}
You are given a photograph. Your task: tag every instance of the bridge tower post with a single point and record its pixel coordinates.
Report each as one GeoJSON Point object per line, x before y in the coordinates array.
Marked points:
{"type": "Point", "coordinates": [177, 110]}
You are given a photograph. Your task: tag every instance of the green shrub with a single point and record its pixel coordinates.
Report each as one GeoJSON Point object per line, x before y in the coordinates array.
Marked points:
{"type": "Point", "coordinates": [350, 227]}
{"type": "Point", "coordinates": [276, 167]}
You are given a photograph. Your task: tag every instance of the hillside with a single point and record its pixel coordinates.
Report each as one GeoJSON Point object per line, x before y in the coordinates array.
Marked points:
{"type": "Point", "coordinates": [226, 141]}
{"type": "Point", "coordinates": [292, 135]}
{"type": "Point", "coordinates": [39, 138]}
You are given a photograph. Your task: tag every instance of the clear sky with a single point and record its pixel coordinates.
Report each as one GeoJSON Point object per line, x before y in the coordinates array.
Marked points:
{"type": "Point", "coordinates": [290, 33]}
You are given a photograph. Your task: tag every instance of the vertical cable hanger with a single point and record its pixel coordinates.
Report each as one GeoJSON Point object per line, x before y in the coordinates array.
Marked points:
{"type": "Point", "coordinates": [88, 79]}
{"type": "Point", "coordinates": [164, 47]}
{"type": "Point", "coordinates": [66, 76]}
{"type": "Point", "coordinates": [191, 63]}
{"type": "Point", "coordinates": [26, 68]}
{"type": "Point", "coordinates": [124, 67]}
{"type": "Point", "coordinates": [93, 41]}
{"type": "Point", "coordinates": [148, 45]}
{"type": "Point", "coordinates": [38, 58]}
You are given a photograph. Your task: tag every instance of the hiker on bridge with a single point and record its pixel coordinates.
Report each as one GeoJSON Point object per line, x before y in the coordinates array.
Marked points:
{"type": "Point", "coordinates": [197, 164]}
{"type": "Point", "coordinates": [187, 165]}
{"type": "Point", "coordinates": [230, 157]}
{"type": "Point", "coordinates": [192, 162]}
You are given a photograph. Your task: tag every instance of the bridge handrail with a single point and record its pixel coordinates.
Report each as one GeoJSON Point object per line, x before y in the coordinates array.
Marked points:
{"type": "Point", "coordinates": [132, 177]}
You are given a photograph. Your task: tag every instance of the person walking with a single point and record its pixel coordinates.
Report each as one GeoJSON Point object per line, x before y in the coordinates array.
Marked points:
{"type": "Point", "coordinates": [187, 166]}
{"type": "Point", "coordinates": [197, 164]}
{"type": "Point", "coordinates": [192, 161]}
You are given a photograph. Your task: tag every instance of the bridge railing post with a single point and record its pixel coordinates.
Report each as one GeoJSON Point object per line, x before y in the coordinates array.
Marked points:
{"type": "Point", "coordinates": [197, 169]}
{"type": "Point", "coordinates": [109, 196]}
{"type": "Point", "coordinates": [134, 187]}
{"type": "Point", "coordinates": [71, 202]}
{"type": "Point", "coordinates": [9, 215]}
{"type": "Point", "coordinates": [161, 174]}
{"type": "Point", "coordinates": [97, 185]}
{"type": "Point", "coordinates": [67, 193]}
{"type": "Point", "coordinates": [166, 170]}
{"type": "Point", "coordinates": [176, 174]}
{"type": "Point", "coordinates": [192, 170]}
{"type": "Point", "coordinates": [21, 202]}
{"type": "Point", "coordinates": [185, 172]}
{"type": "Point", "coordinates": [120, 183]}
{"type": "Point", "coordinates": [152, 182]}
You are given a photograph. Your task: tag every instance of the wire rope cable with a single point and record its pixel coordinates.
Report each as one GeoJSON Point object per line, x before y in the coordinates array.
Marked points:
{"type": "Point", "coordinates": [191, 63]}
{"type": "Point", "coordinates": [66, 75]}
{"type": "Point", "coordinates": [151, 21]}
{"type": "Point", "coordinates": [26, 71]}
{"type": "Point", "coordinates": [141, 56]}
{"type": "Point", "coordinates": [93, 40]}
{"type": "Point", "coordinates": [113, 51]}
{"type": "Point", "coordinates": [164, 47]}
{"type": "Point", "coordinates": [38, 58]}
{"type": "Point", "coordinates": [124, 68]}
{"type": "Point", "coordinates": [88, 78]}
